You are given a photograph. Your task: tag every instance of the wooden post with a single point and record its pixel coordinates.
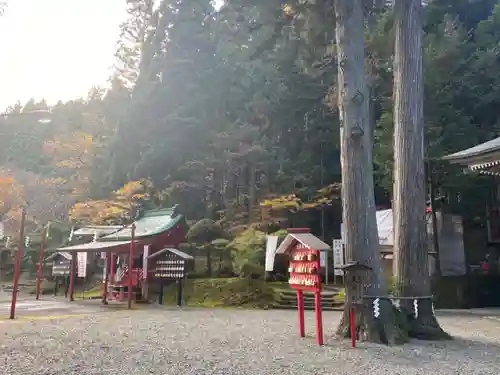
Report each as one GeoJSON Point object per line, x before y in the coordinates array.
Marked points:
{"type": "Point", "coordinates": [106, 277]}
{"type": "Point", "coordinates": [160, 297]}
{"type": "Point", "coordinates": [40, 264]}
{"type": "Point", "coordinates": [319, 318]}
{"type": "Point", "coordinates": [179, 292]}
{"type": "Point", "coordinates": [56, 279]}
{"type": "Point", "coordinates": [65, 282]}
{"type": "Point", "coordinates": [300, 308]}
{"type": "Point", "coordinates": [435, 230]}
{"type": "Point", "coordinates": [131, 266]}
{"type": "Point", "coordinates": [72, 271]}
{"type": "Point", "coordinates": [17, 269]}
{"type": "Point", "coordinates": [113, 267]}
{"type": "Point", "coordinates": [352, 325]}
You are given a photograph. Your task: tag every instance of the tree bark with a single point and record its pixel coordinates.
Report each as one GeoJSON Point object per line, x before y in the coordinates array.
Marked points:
{"type": "Point", "coordinates": [411, 269]}
{"type": "Point", "coordinates": [361, 237]}
{"type": "Point", "coordinates": [252, 169]}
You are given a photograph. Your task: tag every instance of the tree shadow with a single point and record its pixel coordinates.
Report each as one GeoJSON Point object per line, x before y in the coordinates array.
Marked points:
{"type": "Point", "coordinates": [458, 356]}
{"type": "Point", "coordinates": [480, 313]}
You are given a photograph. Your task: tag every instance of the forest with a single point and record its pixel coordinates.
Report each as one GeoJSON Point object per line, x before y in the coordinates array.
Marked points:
{"type": "Point", "coordinates": [231, 112]}
{"type": "Point", "coordinates": [223, 110]}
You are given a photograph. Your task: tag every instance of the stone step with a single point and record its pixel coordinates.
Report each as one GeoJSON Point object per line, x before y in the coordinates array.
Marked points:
{"type": "Point", "coordinates": [291, 292]}
{"type": "Point", "coordinates": [287, 297]}
{"type": "Point", "coordinates": [311, 303]}
{"type": "Point", "coordinates": [308, 307]}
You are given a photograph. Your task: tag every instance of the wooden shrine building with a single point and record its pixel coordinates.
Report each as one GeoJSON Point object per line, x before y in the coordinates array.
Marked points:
{"type": "Point", "coordinates": [480, 212]}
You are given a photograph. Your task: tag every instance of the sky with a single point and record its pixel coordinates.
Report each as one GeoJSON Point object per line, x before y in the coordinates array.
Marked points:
{"type": "Point", "coordinates": [56, 49]}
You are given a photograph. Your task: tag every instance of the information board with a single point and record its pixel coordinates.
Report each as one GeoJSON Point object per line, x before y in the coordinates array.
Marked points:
{"type": "Point", "coordinates": [338, 257]}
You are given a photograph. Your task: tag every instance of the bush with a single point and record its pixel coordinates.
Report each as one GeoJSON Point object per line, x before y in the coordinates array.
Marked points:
{"type": "Point", "coordinates": [251, 270]}
{"type": "Point", "coordinates": [248, 247]}
{"type": "Point", "coordinates": [205, 231]}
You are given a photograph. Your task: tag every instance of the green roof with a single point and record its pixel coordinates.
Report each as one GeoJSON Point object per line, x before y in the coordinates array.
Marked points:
{"type": "Point", "coordinates": [152, 223]}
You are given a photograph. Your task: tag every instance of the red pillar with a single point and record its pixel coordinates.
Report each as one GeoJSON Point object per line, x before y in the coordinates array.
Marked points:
{"type": "Point", "coordinates": [319, 318]}
{"type": "Point", "coordinates": [72, 272]}
{"type": "Point", "coordinates": [40, 263]}
{"type": "Point", "coordinates": [113, 267]}
{"type": "Point", "coordinates": [17, 269]}
{"type": "Point", "coordinates": [130, 266]}
{"type": "Point", "coordinates": [106, 277]}
{"type": "Point", "coordinates": [352, 325]}
{"type": "Point", "coordinates": [300, 307]}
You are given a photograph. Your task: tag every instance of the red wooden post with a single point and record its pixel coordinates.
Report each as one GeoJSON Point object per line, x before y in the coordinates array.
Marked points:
{"type": "Point", "coordinates": [40, 264]}
{"type": "Point", "coordinates": [130, 266]}
{"type": "Point", "coordinates": [72, 271]}
{"type": "Point", "coordinates": [300, 308]}
{"type": "Point", "coordinates": [352, 325]}
{"type": "Point", "coordinates": [319, 317]}
{"type": "Point", "coordinates": [106, 277]}
{"type": "Point", "coordinates": [113, 266]}
{"type": "Point", "coordinates": [17, 269]}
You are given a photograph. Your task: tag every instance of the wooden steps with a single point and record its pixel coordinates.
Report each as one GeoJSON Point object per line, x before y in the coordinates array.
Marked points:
{"type": "Point", "coordinates": [287, 299]}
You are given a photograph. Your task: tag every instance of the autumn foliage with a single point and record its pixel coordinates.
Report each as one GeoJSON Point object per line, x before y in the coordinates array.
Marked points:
{"type": "Point", "coordinates": [116, 210]}
{"type": "Point", "coordinates": [11, 194]}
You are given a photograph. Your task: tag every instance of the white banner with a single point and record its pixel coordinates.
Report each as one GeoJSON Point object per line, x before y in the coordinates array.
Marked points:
{"type": "Point", "coordinates": [271, 246]}
{"type": "Point", "coordinates": [82, 264]}
{"type": "Point", "coordinates": [145, 262]}
{"type": "Point", "coordinates": [322, 258]}
{"type": "Point", "coordinates": [338, 256]}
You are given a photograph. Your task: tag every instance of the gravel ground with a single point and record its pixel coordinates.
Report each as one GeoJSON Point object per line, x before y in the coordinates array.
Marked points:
{"type": "Point", "coordinates": [158, 341]}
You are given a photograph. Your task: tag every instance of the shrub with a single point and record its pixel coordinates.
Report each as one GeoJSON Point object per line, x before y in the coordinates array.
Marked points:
{"type": "Point", "coordinates": [248, 247]}
{"type": "Point", "coordinates": [205, 231]}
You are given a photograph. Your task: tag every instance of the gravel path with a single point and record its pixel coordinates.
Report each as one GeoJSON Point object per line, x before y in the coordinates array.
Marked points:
{"type": "Point", "coordinates": [157, 341]}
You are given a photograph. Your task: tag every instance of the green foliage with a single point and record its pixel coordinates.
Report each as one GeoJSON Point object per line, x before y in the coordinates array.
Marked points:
{"type": "Point", "coordinates": [205, 231]}
{"type": "Point", "coordinates": [223, 109]}
{"type": "Point", "coordinates": [230, 292]}
{"type": "Point", "coordinates": [248, 248]}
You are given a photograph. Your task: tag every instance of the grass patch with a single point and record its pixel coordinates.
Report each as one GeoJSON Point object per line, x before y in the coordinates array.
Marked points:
{"type": "Point", "coordinates": [90, 293]}
{"type": "Point", "coordinates": [226, 292]}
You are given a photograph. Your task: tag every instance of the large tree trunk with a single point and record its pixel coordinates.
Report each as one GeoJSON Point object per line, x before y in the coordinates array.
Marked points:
{"type": "Point", "coordinates": [410, 230]}
{"type": "Point", "coordinates": [361, 238]}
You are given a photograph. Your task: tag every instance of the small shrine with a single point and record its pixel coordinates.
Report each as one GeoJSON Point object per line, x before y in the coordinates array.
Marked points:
{"type": "Point", "coordinates": [61, 264]}
{"type": "Point", "coordinates": [304, 250]}
{"type": "Point", "coordinates": [61, 269]}
{"type": "Point", "coordinates": [171, 264]}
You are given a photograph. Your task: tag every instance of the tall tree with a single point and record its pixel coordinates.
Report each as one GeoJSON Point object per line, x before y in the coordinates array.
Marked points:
{"type": "Point", "coordinates": [361, 239]}
{"type": "Point", "coordinates": [410, 230]}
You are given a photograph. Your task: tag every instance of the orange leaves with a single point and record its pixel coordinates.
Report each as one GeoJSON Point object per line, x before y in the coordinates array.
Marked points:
{"type": "Point", "coordinates": [11, 199]}
{"type": "Point", "coordinates": [11, 194]}
{"type": "Point", "coordinates": [114, 210]}
{"type": "Point", "coordinates": [72, 155]}
{"type": "Point", "coordinates": [98, 212]}
{"type": "Point", "coordinates": [71, 151]}
{"type": "Point", "coordinates": [131, 190]}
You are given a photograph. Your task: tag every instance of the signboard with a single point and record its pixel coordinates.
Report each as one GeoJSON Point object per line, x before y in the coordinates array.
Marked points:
{"type": "Point", "coordinates": [145, 261]}
{"type": "Point", "coordinates": [322, 258]}
{"type": "Point", "coordinates": [338, 256]}
{"type": "Point", "coordinates": [271, 246]}
{"type": "Point", "coordinates": [82, 264]}
{"type": "Point", "coordinates": [61, 268]}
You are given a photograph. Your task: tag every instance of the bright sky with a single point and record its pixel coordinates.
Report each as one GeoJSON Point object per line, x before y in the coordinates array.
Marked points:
{"type": "Point", "coordinates": [56, 49]}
